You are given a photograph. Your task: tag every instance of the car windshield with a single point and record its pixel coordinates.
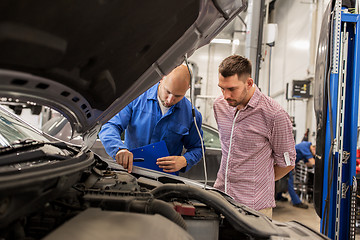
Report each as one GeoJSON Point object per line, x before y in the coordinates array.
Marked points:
{"type": "Point", "coordinates": [211, 138]}
{"type": "Point", "coordinates": [13, 131]}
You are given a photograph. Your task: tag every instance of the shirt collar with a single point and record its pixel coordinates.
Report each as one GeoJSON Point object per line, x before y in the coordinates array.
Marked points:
{"type": "Point", "coordinates": [153, 92]}
{"type": "Point", "coordinates": [255, 98]}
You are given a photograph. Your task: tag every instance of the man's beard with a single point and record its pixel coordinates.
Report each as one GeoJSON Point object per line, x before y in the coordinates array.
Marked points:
{"type": "Point", "coordinates": [165, 104]}
{"type": "Point", "coordinates": [235, 103]}
{"type": "Point", "coordinates": [232, 103]}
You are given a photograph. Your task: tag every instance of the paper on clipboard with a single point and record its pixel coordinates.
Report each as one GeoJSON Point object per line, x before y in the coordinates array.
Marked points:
{"type": "Point", "coordinates": [150, 153]}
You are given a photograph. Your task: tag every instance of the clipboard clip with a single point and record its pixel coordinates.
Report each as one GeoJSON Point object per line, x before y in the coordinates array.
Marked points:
{"type": "Point", "coordinates": [138, 159]}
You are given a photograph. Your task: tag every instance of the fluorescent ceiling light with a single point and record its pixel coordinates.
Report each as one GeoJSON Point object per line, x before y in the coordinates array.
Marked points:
{"type": "Point", "coordinates": [219, 40]}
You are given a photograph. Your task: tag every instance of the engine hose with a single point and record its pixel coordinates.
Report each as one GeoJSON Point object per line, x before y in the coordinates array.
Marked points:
{"type": "Point", "coordinates": [153, 206]}
{"type": "Point", "coordinates": [248, 224]}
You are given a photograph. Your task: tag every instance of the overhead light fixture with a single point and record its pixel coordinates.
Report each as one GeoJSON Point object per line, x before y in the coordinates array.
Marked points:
{"type": "Point", "coordinates": [236, 42]}
{"type": "Point", "coordinates": [219, 40]}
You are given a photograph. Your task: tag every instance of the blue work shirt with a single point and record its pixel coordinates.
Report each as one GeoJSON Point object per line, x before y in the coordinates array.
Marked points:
{"type": "Point", "coordinates": [303, 151]}
{"type": "Point", "coordinates": [144, 124]}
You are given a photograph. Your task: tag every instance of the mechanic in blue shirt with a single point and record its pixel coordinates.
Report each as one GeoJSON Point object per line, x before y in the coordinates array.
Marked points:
{"type": "Point", "coordinates": [160, 113]}
{"type": "Point", "coordinates": [304, 151]}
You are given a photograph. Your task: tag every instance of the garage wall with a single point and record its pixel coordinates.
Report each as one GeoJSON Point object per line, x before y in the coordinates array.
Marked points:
{"type": "Point", "coordinates": [208, 59]}
{"type": "Point", "coordinates": [292, 58]}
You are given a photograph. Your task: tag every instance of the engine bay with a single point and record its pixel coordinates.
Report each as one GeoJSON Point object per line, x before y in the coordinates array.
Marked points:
{"type": "Point", "coordinates": [100, 202]}
{"type": "Point", "coordinates": [109, 191]}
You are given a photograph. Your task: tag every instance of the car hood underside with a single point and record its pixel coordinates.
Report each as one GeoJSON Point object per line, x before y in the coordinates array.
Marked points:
{"type": "Point", "coordinates": [89, 59]}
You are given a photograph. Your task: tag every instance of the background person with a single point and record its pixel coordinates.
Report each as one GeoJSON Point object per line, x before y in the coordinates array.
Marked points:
{"type": "Point", "coordinates": [160, 113]}
{"type": "Point", "coordinates": [256, 138]}
{"type": "Point", "coordinates": [304, 151]}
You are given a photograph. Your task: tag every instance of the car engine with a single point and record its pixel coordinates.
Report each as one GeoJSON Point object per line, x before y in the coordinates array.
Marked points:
{"type": "Point", "coordinates": [101, 189]}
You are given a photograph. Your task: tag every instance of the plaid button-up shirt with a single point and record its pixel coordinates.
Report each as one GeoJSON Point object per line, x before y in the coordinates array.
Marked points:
{"type": "Point", "coordinates": [262, 134]}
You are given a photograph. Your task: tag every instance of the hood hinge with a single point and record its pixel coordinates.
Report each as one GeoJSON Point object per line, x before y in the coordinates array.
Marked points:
{"type": "Point", "coordinates": [89, 137]}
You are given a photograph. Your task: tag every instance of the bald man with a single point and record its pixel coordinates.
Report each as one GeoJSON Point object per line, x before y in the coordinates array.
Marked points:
{"type": "Point", "coordinates": [160, 113]}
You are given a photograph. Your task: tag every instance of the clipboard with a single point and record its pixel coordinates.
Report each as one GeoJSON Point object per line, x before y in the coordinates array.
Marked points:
{"type": "Point", "coordinates": [150, 153]}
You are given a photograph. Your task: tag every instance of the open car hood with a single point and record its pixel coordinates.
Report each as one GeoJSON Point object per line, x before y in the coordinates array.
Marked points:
{"type": "Point", "coordinates": [89, 59]}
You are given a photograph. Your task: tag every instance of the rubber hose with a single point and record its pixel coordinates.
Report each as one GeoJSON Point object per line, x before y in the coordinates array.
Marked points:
{"type": "Point", "coordinates": [160, 207]}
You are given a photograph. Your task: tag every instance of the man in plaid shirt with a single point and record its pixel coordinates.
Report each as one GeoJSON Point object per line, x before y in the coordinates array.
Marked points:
{"type": "Point", "coordinates": [257, 143]}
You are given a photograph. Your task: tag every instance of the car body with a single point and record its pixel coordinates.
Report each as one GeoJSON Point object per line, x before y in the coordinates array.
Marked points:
{"type": "Point", "coordinates": [87, 60]}
{"type": "Point", "coordinates": [212, 157]}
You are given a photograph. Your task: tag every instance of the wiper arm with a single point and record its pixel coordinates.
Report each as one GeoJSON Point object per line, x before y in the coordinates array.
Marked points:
{"type": "Point", "coordinates": [19, 144]}
{"type": "Point", "coordinates": [18, 152]}
{"type": "Point", "coordinates": [38, 154]}
{"type": "Point", "coordinates": [25, 142]}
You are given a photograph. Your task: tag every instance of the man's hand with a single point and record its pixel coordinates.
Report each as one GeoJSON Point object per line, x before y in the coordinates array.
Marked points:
{"type": "Point", "coordinates": [171, 163]}
{"type": "Point", "coordinates": [310, 162]}
{"type": "Point", "coordinates": [125, 158]}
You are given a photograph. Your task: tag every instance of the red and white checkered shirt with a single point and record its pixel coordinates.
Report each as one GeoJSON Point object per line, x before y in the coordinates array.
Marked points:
{"type": "Point", "coordinates": [262, 134]}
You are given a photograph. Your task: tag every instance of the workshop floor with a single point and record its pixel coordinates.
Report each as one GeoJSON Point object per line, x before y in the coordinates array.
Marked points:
{"type": "Point", "coordinates": [285, 212]}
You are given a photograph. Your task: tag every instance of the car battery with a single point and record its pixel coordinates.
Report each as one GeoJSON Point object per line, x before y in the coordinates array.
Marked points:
{"type": "Point", "coordinates": [202, 221]}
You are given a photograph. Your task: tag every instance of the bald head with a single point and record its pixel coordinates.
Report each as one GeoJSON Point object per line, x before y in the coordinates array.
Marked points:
{"type": "Point", "coordinates": [173, 87]}
{"type": "Point", "coordinates": [179, 75]}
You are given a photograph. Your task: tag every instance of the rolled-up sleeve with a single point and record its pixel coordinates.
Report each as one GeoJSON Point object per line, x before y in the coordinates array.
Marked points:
{"type": "Point", "coordinates": [282, 139]}
{"type": "Point", "coordinates": [110, 134]}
